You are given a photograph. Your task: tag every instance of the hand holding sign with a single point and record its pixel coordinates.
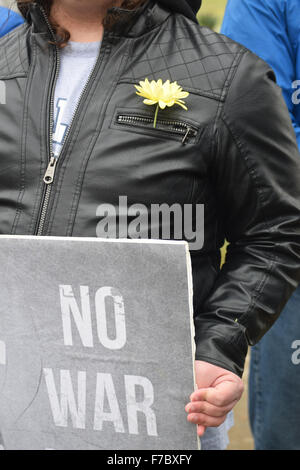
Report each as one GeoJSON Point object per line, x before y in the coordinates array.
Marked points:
{"type": "Point", "coordinates": [218, 392]}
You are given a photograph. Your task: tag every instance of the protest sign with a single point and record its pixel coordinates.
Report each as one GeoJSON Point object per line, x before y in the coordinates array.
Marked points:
{"type": "Point", "coordinates": [96, 344]}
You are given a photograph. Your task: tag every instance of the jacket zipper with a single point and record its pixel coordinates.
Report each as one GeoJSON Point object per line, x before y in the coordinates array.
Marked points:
{"type": "Point", "coordinates": [171, 126]}
{"type": "Point", "coordinates": [52, 165]}
{"type": "Point", "coordinates": [50, 172]}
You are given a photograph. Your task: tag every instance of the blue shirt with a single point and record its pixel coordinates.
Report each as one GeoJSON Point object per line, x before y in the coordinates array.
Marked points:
{"type": "Point", "coordinates": [271, 29]}
{"type": "Point", "coordinates": [9, 20]}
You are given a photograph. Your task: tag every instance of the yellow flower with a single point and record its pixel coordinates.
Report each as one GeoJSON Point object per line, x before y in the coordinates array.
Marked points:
{"type": "Point", "coordinates": [161, 94]}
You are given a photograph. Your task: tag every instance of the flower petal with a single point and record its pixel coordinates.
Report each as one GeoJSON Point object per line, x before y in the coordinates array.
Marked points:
{"type": "Point", "coordinates": [150, 102]}
{"type": "Point", "coordinates": [139, 88]}
{"type": "Point", "coordinates": [162, 104]}
{"type": "Point", "coordinates": [183, 94]}
{"type": "Point", "coordinates": [182, 105]}
{"type": "Point", "coordinates": [171, 103]}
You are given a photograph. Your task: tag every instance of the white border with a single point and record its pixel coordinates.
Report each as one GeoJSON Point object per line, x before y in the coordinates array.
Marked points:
{"type": "Point", "coordinates": [95, 239]}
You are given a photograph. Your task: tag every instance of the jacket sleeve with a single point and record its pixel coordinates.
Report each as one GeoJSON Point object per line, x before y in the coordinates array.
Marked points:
{"type": "Point", "coordinates": [255, 171]}
{"type": "Point", "coordinates": [270, 29]}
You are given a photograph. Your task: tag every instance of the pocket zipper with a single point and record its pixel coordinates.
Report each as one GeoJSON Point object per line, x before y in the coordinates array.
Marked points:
{"type": "Point", "coordinates": [170, 126]}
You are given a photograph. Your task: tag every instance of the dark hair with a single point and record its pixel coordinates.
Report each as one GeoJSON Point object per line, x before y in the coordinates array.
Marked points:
{"type": "Point", "coordinates": [63, 36]}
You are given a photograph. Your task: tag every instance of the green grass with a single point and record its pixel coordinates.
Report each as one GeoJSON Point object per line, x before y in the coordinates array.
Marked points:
{"type": "Point", "coordinates": [214, 8]}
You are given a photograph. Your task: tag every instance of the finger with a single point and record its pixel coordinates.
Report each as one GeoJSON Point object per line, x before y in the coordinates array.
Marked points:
{"type": "Point", "coordinates": [205, 420]}
{"type": "Point", "coordinates": [201, 430]}
{"type": "Point", "coordinates": [209, 409]}
{"type": "Point", "coordinates": [221, 395]}
{"type": "Point", "coordinates": [213, 396]}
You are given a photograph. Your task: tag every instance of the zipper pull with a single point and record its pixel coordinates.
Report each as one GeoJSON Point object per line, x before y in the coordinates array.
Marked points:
{"type": "Point", "coordinates": [186, 135]}
{"type": "Point", "coordinates": [49, 175]}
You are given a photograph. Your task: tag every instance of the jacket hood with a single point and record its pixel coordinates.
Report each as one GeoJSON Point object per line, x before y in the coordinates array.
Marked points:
{"type": "Point", "coordinates": [189, 8]}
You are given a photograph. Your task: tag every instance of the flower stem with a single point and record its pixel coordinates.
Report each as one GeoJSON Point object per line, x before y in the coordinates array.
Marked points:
{"type": "Point", "coordinates": [155, 116]}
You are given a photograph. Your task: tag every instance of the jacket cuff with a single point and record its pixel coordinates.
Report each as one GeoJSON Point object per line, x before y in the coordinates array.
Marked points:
{"type": "Point", "coordinates": [224, 346]}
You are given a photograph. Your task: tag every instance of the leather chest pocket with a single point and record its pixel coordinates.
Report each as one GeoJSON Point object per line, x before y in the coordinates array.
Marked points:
{"type": "Point", "coordinates": [133, 120]}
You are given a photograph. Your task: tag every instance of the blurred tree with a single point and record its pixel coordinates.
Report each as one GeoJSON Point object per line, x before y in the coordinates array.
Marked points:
{"type": "Point", "coordinates": [211, 13]}
{"type": "Point", "coordinates": [208, 20]}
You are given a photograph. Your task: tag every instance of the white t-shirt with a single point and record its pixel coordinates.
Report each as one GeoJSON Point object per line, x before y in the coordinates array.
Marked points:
{"type": "Point", "coordinates": [77, 62]}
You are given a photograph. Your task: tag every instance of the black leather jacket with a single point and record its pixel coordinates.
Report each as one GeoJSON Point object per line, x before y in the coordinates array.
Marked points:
{"type": "Point", "coordinates": [239, 158]}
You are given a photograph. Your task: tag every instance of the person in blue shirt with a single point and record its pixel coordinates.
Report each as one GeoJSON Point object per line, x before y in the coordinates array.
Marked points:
{"type": "Point", "coordinates": [271, 29]}
{"type": "Point", "coordinates": [9, 20]}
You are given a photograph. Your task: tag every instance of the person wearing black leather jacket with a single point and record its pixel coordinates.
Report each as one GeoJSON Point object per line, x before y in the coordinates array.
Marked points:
{"type": "Point", "coordinates": [233, 150]}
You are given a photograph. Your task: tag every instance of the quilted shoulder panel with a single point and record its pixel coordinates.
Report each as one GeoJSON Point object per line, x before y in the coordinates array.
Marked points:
{"type": "Point", "coordinates": [14, 61]}
{"type": "Point", "coordinates": [197, 58]}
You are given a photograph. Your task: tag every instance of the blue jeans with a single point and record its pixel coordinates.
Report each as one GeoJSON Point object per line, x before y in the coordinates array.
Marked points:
{"type": "Point", "coordinates": [217, 438]}
{"type": "Point", "coordinates": [274, 383]}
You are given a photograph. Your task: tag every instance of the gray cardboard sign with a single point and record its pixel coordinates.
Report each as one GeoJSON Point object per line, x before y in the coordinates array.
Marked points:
{"type": "Point", "coordinates": [96, 344]}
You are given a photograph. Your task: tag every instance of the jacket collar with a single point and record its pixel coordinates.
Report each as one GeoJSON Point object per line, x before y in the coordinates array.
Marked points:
{"type": "Point", "coordinates": [188, 8]}
{"type": "Point", "coordinates": [131, 23]}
